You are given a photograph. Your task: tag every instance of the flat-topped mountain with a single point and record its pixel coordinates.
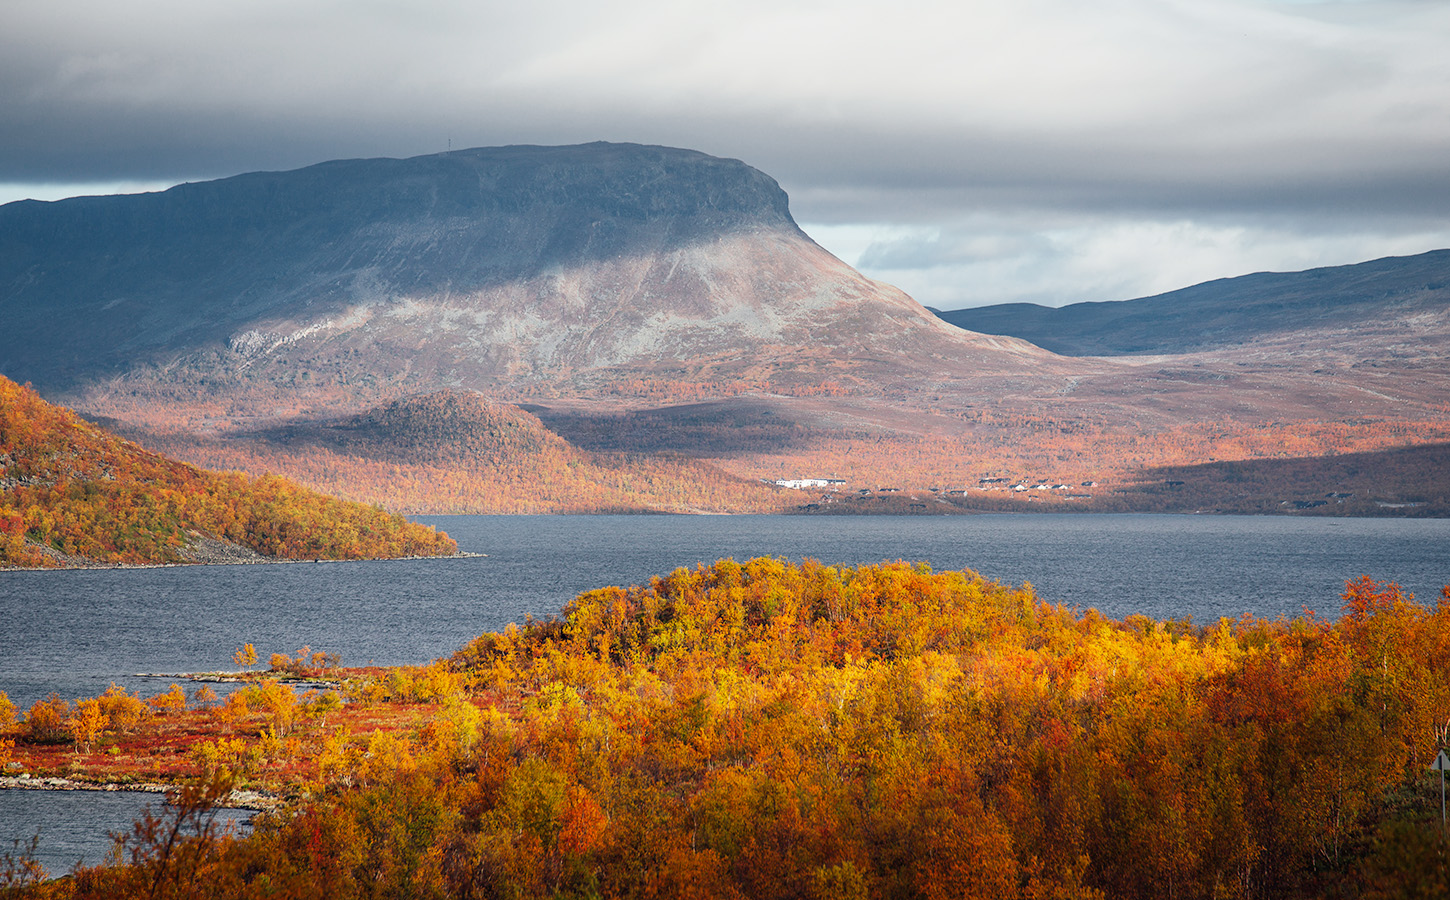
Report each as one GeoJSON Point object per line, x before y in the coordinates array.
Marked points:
{"type": "Point", "coordinates": [503, 269]}
{"type": "Point", "coordinates": [443, 314]}
{"type": "Point", "coordinates": [1377, 304]}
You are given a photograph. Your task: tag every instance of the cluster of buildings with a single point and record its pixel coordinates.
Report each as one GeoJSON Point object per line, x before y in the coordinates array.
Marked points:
{"type": "Point", "coordinates": [803, 483]}
{"type": "Point", "coordinates": [985, 484]}
{"type": "Point", "coordinates": [1000, 484]}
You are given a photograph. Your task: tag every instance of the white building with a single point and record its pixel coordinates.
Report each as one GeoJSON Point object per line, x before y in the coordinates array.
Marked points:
{"type": "Point", "coordinates": [797, 484]}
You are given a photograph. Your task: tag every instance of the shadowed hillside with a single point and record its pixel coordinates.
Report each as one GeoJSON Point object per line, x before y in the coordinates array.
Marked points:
{"type": "Point", "coordinates": [1408, 481]}
{"type": "Point", "coordinates": [456, 452]}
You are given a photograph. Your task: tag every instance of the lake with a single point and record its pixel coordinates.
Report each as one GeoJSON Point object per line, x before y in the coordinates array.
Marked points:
{"type": "Point", "coordinates": [76, 826]}
{"type": "Point", "coordinates": [77, 631]}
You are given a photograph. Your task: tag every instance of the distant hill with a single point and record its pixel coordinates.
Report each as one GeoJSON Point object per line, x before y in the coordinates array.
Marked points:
{"type": "Point", "coordinates": [457, 452]}
{"type": "Point", "coordinates": [73, 494]}
{"type": "Point", "coordinates": [515, 270]}
{"type": "Point", "coordinates": [1403, 300]}
{"type": "Point", "coordinates": [451, 426]}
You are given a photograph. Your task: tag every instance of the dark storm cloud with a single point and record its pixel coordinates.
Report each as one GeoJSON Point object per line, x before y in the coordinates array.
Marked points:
{"type": "Point", "coordinates": [940, 118]}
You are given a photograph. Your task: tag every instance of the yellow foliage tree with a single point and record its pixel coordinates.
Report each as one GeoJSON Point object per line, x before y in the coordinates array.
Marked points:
{"type": "Point", "coordinates": [246, 656]}
{"type": "Point", "coordinates": [87, 722]}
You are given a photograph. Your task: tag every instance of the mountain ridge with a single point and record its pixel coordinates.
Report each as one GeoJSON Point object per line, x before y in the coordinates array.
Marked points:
{"type": "Point", "coordinates": [202, 243]}
{"type": "Point", "coordinates": [1227, 312]}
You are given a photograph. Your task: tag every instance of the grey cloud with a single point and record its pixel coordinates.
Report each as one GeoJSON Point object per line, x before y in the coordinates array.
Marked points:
{"type": "Point", "coordinates": [1068, 258]}
{"type": "Point", "coordinates": [955, 247]}
{"type": "Point", "coordinates": [1295, 114]}
{"type": "Point", "coordinates": [1008, 134]}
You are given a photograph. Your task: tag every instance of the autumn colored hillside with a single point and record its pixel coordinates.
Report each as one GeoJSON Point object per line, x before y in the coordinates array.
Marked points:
{"type": "Point", "coordinates": [73, 494]}
{"type": "Point", "coordinates": [456, 452]}
{"type": "Point", "coordinates": [771, 730]}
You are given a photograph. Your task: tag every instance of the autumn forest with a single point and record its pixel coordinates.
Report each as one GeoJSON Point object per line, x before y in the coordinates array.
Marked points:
{"type": "Point", "coordinates": [762, 729]}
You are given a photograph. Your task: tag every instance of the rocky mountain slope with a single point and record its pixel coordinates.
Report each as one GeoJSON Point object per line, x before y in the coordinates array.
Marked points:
{"type": "Point", "coordinates": [514, 270]}
{"type": "Point", "coordinates": [657, 304]}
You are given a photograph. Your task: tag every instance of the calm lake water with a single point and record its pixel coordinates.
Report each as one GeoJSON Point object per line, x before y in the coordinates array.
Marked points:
{"type": "Point", "coordinates": [77, 631]}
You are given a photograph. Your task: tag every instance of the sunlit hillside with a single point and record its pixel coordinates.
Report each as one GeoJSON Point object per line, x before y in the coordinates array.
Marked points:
{"type": "Point", "coordinates": [72, 493]}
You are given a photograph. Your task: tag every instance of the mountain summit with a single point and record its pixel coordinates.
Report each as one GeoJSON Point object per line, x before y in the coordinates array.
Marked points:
{"type": "Point", "coordinates": [513, 270]}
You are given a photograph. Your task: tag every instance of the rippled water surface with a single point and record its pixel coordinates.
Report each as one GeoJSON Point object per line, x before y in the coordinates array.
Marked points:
{"type": "Point", "coordinates": [77, 826]}
{"type": "Point", "coordinates": [76, 631]}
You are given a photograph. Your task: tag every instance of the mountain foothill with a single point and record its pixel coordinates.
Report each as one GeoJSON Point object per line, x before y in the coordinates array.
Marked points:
{"type": "Point", "coordinates": [73, 494]}
{"type": "Point", "coordinates": [611, 327]}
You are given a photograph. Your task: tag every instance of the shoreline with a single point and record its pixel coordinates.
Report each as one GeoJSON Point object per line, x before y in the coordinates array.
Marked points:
{"type": "Point", "coordinates": [246, 678]}
{"type": "Point", "coordinates": [264, 561]}
{"type": "Point", "coordinates": [257, 801]}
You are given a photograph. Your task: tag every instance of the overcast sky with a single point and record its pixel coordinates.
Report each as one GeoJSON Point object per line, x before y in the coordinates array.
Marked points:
{"type": "Point", "coordinates": [970, 152]}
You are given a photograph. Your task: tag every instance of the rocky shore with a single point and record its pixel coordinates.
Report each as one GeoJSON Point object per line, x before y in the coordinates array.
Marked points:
{"type": "Point", "coordinates": [239, 799]}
